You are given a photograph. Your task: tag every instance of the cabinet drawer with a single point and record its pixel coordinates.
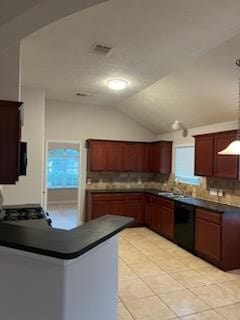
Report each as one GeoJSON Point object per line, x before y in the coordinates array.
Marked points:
{"type": "Point", "coordinates": [163, 202]}
{"type": "Point", "coordinates": [108, 197]}
{"type": "Point", "coordinates": [135, 196]}
{"type": "Point", "coordinates": [209, 216]}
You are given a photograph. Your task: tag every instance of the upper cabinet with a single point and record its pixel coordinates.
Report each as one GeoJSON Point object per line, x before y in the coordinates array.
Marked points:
{"type": "Point", "coordinates": [104, 155]}
{"type": "Point", "coordinates": [10, 135]}
{"type": "Point", "coordinates": [161, 157]}
{"type": "Point", "coordinates": [204, 155]}
{"type": "Point", "coordinates": [225, 166]}
{"type": "Point", "coordinates": [207, 161]}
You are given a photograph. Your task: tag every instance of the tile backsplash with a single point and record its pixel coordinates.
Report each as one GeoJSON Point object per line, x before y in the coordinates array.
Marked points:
{"type": "Point", "coordinates": [142, 180]}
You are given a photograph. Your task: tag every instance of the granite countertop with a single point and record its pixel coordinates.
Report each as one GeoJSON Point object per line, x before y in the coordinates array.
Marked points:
{"type": "Point", "coordinates": [204, 204]}
{"type": "Point", "coordinates": [62, 244]}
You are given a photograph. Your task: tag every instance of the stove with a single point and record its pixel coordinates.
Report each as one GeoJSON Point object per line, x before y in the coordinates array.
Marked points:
{"type": "Point", "coordinates": [24, 212]}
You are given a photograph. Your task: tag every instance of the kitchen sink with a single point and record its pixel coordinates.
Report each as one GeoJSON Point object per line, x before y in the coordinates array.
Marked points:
{"type": "Point", "coordinates": [173, 195]}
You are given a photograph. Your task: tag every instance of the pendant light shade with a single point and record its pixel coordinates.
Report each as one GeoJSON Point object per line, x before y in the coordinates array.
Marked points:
{"type": "Point", "coordinates": [234, 147]}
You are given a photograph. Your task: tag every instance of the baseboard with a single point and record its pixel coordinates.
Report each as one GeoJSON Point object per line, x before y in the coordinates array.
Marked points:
{"type": "Point", "coordinates": [72, 202]}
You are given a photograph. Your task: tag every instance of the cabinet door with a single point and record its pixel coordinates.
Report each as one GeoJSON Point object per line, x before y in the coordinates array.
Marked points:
{"type": "Point", "coordinates": [168, 223]}
{"type": "Point", "coordinates": [99, 209]}
{"type": "Point", "coordinates": [204, 156]}
{"type": "Point", "coordinates": [97, 154]}
{"type": "Point", "coordinates": [225, 166]}
{"type": "Point", "coordinates": [117, 207]}
{"type": "Point", "coordinates": [133, 156]}
{"type": "Point", "coordinates": [161, 157]}
{"type": "Point", "coordinates": [157, 217]}
{"type": "Point", "coordinates": [114, 156]}
{"type": "Point", "coordinates": [148, 211]}
{"type": "Point", "coordinates": [135, 209]}
{"type": "Point", "coordinates": [10, 135]}
{"type": "Point", "coordinates": [208, 239]}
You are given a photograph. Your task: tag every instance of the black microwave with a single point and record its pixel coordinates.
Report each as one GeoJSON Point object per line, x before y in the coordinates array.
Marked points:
{"type": "Point", "coordinates": [23, 159]}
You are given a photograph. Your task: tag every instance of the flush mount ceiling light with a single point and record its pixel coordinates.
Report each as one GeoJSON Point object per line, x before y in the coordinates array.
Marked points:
{"type": "Point", "coordinates": [234, 147]}
{"type": "Point", "coordinates": [177, 125]}
{"type": "Point", "coordinates": [117, 84]}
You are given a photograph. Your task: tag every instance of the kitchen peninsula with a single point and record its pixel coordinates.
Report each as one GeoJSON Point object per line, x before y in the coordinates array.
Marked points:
{"type": "Point", "coordinates": [56, 274]}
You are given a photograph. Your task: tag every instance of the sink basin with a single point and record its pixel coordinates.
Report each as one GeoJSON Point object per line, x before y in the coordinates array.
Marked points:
{"type": "Point", "coordinates": [172, 195]}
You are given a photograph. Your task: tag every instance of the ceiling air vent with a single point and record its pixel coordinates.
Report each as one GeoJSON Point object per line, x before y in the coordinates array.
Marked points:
{"type": "Point", "coordinates": [101, 49]}
{"type": "Point", "coordinates": [82, 94]}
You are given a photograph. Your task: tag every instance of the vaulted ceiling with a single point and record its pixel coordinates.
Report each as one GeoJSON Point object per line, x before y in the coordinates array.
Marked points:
{"type": "Point", "coordinates": [178, 56]}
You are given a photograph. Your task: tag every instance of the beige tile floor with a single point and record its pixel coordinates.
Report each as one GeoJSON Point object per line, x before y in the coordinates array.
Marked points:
{"type": "Point", "coordinates": [160, 281]}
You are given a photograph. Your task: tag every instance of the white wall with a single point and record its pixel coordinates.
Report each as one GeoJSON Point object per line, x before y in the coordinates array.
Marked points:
{"type": "Point", "coordinates": [178, 139]}
{"type": "Point", "coordinates": [29, 189]}
{"type": "Point", "coordinates": [75, 122]}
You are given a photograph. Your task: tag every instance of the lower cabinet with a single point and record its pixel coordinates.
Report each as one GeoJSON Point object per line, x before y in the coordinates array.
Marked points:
{"type": "Point", "coordinates": [168, 223]}
{"type": "Point", "coordinates": [116, 204]}
{"type": "Point", "coordinates": [135, 207]}
{"type": "Point", "coordinates": [208, 235]}
{"type": "Point", "coordinates": [162, 217]}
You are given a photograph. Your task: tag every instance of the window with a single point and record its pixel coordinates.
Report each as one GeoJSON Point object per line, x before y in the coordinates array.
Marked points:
{"type": "Point", "coordinates": [63, 168]}
{"type": "Point", "coordinates": [184, 165]}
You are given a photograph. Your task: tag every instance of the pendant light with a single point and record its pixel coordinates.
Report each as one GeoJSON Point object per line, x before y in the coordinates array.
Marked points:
{"type": "Point", "coordinates": [234, 147]}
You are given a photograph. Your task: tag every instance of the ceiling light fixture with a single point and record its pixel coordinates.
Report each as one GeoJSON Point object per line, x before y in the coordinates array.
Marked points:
{"type": "Point", "coordinates": [177, 125]}
{"type": "Point", "coordinates": [117, 84]}
{"type": "Point", "coordinates": [234, 147]}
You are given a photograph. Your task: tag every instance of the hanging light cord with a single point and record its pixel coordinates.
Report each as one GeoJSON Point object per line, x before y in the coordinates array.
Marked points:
{"type": "Point", "coordinates": [238, 128]}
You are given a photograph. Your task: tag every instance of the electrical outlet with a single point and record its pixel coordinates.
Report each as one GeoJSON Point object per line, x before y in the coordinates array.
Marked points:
{"type": "Point", "coordinates": [213, 192]}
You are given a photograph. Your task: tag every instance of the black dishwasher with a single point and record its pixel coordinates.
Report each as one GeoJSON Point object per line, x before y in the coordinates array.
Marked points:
{"type": "Point", "coordinates": [184, 225]}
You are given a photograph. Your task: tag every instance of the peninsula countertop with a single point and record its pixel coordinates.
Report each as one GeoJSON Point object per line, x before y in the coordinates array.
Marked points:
{"type": "Point", "coordinates": [62, 244]}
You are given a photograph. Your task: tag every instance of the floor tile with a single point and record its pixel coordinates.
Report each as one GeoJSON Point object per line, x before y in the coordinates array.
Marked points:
{"type": "Point", "coordinates": [162, 284]}
{"type": "Point", "coordinates": [151, 308]}
{"type": "Point", "coordinates": [205, 315]}
{"type": "Point", "coordinates": [190, 279]}
{"type": "Point", "coordinates": [217, 275]}
{"type": "Point", "coordinates": [232, 287]}
{"type": "Point", "coordinates": [172, 265]}
{"type": "Point", "coordinates": [125, 273]}
{"type": "Point", "coordinates": [132, 256]}
{"type": "Point", "coordinates": [214, 295]}
{"type": "Point", "coordinates": [183, 302]}
{"type": "Point", "coordinates": [231, 312]}
{"type": "Point", "coordinates": [133, 289]}
{"type": "Point", "coordinates": [123, 313]}
{"type": "Point", "coordinates": [148, 269]}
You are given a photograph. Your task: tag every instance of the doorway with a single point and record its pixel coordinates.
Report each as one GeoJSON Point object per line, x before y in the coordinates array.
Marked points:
{"type": "Point", "coordinates": [62, 183]}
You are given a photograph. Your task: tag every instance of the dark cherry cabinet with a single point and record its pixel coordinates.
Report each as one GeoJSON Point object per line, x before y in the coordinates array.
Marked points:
{"type": "Point", "coordinates": [104, 155]}
{"type": "Point", "coordinates": [162, 217]}
{"type": "Point", "coordinates": [207, 160]}
{"type": "Point", "coordinates": [10, 135]}
{"type": "Point", "coordinates": [125, 156]}
{"type": "Point", "coordinates": [161, 157]}
{"type": "Point", "coordinates": [133, 156]}
{"type": "Point", "coordinates": [208, 234]}
{"type": "Point", "coordinates": [225, 166]}
{"type": "Point", "coordinates": [135, 207]}
{"type": "Point", "coordinates": [204, 155]}
{"type": "Point", "coordinates": [148, 211]}
{"type": "Point", "coordinates": [122, 204]}
{"type": "Point", "coordinates": [168, 223]}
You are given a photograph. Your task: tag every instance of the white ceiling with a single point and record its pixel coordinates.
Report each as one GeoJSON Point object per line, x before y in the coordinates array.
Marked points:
{"type": "Point", "coordinates": [178, 56]}
{"type": "Point", "coordinates": [9, 9]}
